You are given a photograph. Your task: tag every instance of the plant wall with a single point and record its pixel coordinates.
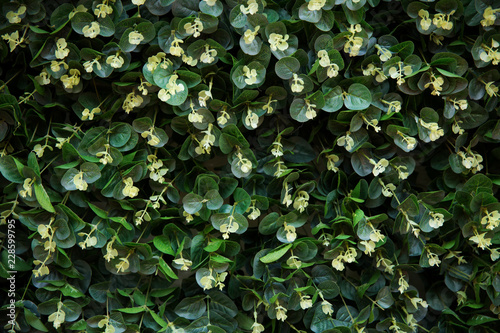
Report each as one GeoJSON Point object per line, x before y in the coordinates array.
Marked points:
{"type": "Point", "coordinates": [250, 166]}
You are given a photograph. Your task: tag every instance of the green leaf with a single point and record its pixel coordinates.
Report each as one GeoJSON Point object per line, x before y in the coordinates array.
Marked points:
{"type": "Point", "coordinates": [162, 243]}
{"type": "Point", "coordinates": [132, 310]}
{"type": "Point", "coordinates": [307, 15]}
{"type": "Point", "coordinates": [286, 67]}
{"type": "Point", "coordinates": [334, 100]}
{"type": "Point", "coordinates": [192, 203]}
{"type": "Point", "coordinates": [43, 198]}
{"type": "Point", "coordinates": [358, 97]}
{"type": "Point", "coordinates": [191, 307]}
{"type": "Point", "coordinates": [221, 302]}
{"type": "Point", "coordinates": [165, 268]}
{"type": "Point", "coordinates": [34, 321]}
{"type": "Point", "coordinates": [9, 167]}
{"type": "Point", "coordinates": [276, 254]}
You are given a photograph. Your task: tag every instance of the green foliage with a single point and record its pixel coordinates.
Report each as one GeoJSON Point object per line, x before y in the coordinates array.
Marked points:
{"type": "Point", "coordinates": [251, 166]}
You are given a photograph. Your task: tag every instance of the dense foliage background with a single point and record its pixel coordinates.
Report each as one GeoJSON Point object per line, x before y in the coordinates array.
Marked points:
{"type": "Point", "coordinates": [251, 166]}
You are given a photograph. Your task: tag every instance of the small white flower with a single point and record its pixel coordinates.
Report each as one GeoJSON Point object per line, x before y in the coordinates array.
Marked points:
{"type": "Point", "coordinates": [92, 30]}
{"type": "Point", "coordinates": [115, 61]}
{"type": "Point", "coordinates": [79, 182]}
{"type": "Point", "coordinates": [252, 119]}
{"type": "Point", "coordinates": [135, 37]}
{"type": "Point", "coordinates": [436, 220]}
{"type": "Point", "coordinates": [249, 35]}
{"type": "Point", "coordinates": [379, 167]}
{"type": "Point", "coordinates": [194, 28]}
{"type": "Point", "coordinates": [278, 42]}
{"type": "Point", "coordinates": [297, 83]}
{"type": "Point", "coordinates": [346, 140]}
{"type": "Point", "coordinates": [250, 74]}
{"type": "Point", "coordinates": [62, 50]}
{"type": "Point", "coordinates": [251, 9]}
{"type": "Point", "coordinates": [326, 307]}
{"type": "Point", "coordinates": [305, 302]}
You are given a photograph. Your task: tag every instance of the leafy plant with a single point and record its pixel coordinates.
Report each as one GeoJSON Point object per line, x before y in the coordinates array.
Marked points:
{"type": "Point", "coordinates": [251, 166]}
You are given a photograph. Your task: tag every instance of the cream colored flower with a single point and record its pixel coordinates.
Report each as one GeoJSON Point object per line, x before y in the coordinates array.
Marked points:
{"type": "Point", "coordinates": [436, 220]}
{"type": "Point", "coordinates": [353, 43]}
{"type": "Point", "coordinates": [293, 262]}
{"type": "Point", "coordinates": [305, 302]}
{"type": "Point", "coordinates": [209, 55]}
{"type": "Point", "coordinates": [436, 83]}
{"type": "Point", "coordinates": [103, 10]}
{"type": "Point", "coordinates": [443, 20]}
{"type": "Point", "coordinates": [433, 258]}
{"type": "Point", "coordinates": [72, 80]}
{"type": "Point", "coordinates": [251, 9]}
{"type": "Point", "coordinates": [111, 252]}
{"type": "Point", "coordinates": [346, 141]}
{"type": "Point", "coordinates": [203, 97]}
{"type": "Point", "coordinates": [44, 78]}
{"type": "Point", "coordinates": [252, 119]}
{"type": "Point", "coordinates": [79, 182]}
{"type": "Point", "coordinates": [257, 328]}
{"type": "Point", "coordinates": [291, 235]}
{"type": "Point", "coordinates": [58, 317]}
{"type": "Point", "coordinates": [254, 211]}
{"type": "Point", "coordinates": [185, 263]}
{"type": "Point", "coordinates": [278, 42]}
{"type": "Point", "coordinates": [383, 53]}
{"type": "Point", "coordinates": [89, 65]}
{"type": "Point", "coordinates": [249, 35]}
{"type": "Point", "coordinates": [326, 307]}
{"type": "Point", "coordinates": [287, 199]}
{"type": "Point", "coordinates": [301, 201]}
{"type": "Point", "coordinates": [132, 101]}
{"type": "Point", "coordinates": [425, 22]}
{"type": "Point", "coordinates": [14, 16]}
{"type": "Point", "coordinates": [338, 263]}
{"type": "Point", "coordinates": [489, 16]}
{"type": "Point", "coordinates": [39, 150]}
{"type": "Point", "coordinates": [297, 83]}
{"type": "Point", "coordinates": [400, 71]}
{"type": "Point", "coordinates": [55, 66]}
{"type": "Point", "coordinates": [251, 75]}
{"type": "Point", "coordinates": [332, 159]}
{"type": "Point", "coordinates": [13, 40]}
{"type": "Point", "coordinates": [310, 112]}
{"type": "Point", "coordinates": [244, 163]}
{"type": "Point", "coordinates": [89, 114]}
{"type": "Point", "coordinates": [92, 30]}
{"type": "Point", "coordinates": [116, 60]}
{"type": "Point", "coordinates": [387, 189]}
{"type": "Point", "coordinates": [129, 190]}
{"type": "Point", "coordinates": [491, 89]}
{"type": "Point", "coordinates": [491, 219]}
{"type": "Point", "coordinates": [122, 265]}
{"type": "Point", "coordinates": [62, 50]}
{"type": "Point", "coordinates": [280, 312]}
{"type": "Point", "coordinates": [435, 131]}
{"type": "Point", "coordinates": [135, 37]}
{"type": "Point", "coordinates": [277, 149]}
{"type": "Point", "coordinates": [480, 240]}
{"type": "Point", "coordinates": [207, 142]}
{"type": "Point", "coordinates": [379, 167]}
{"type": "Point", "coordinates": [230, 227]}
{"type": "Point", "coordinates": [369, 246]}
{"type": "Point", "coordinates": [314, 5]}
{"type": "Point", "coordinates": [194, 28]}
